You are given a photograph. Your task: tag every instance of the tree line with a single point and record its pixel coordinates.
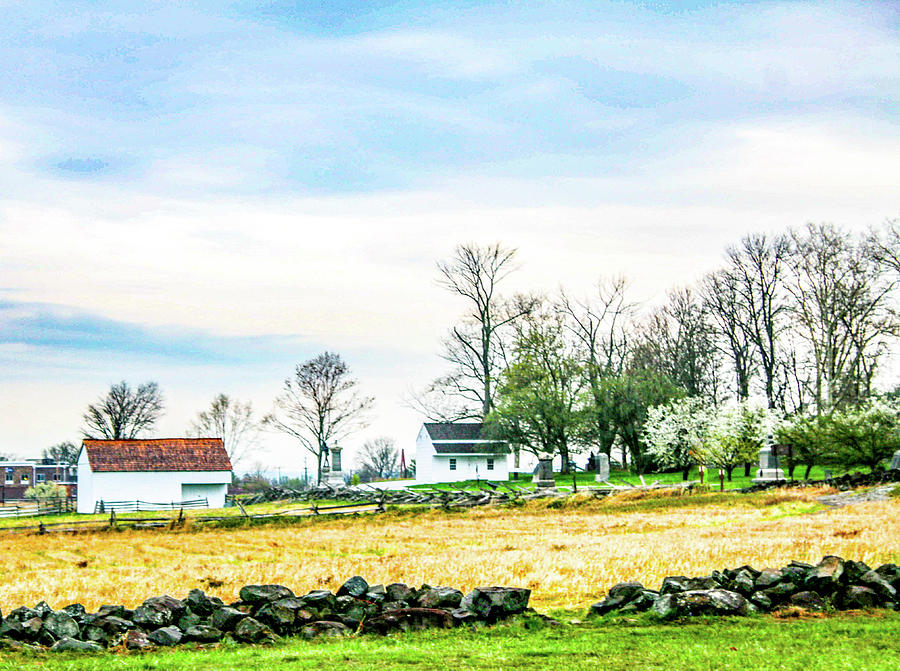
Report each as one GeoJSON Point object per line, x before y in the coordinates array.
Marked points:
{"type": "Point", "coordinates": [802, 320]}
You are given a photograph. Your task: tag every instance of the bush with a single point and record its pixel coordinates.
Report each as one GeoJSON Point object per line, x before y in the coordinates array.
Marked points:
{"type": "Point", "coordinates": [46, 490]}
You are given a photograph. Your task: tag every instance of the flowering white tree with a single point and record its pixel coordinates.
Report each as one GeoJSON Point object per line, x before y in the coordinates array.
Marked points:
{"type": "Point", "coordinates": [736, 434]}
{"type": "Point", "coordinates": [677, 432]}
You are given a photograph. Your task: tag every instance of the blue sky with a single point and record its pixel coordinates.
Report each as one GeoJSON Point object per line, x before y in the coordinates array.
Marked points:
{"type": "Point", "coordinates": [233, 187]}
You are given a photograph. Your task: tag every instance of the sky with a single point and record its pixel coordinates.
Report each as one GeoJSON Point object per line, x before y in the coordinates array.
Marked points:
{"type": "Point", "coordinates": [206, 194]}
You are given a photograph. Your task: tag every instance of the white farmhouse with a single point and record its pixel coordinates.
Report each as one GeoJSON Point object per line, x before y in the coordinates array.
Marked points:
{"type": "Point", "coordinates": [450, 452]}
{"type": "Point", "coordinates": [157, 471]}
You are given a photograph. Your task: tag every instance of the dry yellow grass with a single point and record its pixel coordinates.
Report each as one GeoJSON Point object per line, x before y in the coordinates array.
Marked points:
{"type": "Point", "coordinates": [568, 556]}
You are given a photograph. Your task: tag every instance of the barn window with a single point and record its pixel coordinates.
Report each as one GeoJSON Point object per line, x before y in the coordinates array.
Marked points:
{"type": "Point", "coordinates": [490, 464]}
{"type": "Point", "coordinates": [453, 464]}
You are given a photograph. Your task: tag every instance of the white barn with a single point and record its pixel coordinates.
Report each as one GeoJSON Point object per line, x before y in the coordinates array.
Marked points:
{"type": "Point", "coordinates": [164, 470]}
{"type": "Point", "coordinates": [450, 452]}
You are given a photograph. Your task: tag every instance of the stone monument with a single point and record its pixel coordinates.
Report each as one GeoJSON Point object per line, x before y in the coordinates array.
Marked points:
{"type": "Point", "coordinates": [543, 475]}
{"type": "Point", "coordinates": [602, 468]}
{"type": "Point", "coordinates": [895, 462]}
{"type": "Point", "coordinates": [768, 464]}
{"type": "Point", "coordinates": [335, 476]}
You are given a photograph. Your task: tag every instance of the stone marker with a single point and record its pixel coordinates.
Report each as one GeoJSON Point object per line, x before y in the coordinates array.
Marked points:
{"type": "Point", "coordinates": [602, 468]}
{"type": "Point", "coordinates": [335, 477]}
{"type": "Point", "coordinates": [768, 464]}
{"type": "Point", "coordinates": [543, 476]}
{"type": "Point", "coordinates": [895, 462]}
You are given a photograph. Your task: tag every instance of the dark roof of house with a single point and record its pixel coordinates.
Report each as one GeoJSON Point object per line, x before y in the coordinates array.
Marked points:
{"type": "Point", "coordinates": [455, 431]}
{"type": "Point", "coordinates": [494, 447]}
{"type": "Point", "coordinates": [165, 454]}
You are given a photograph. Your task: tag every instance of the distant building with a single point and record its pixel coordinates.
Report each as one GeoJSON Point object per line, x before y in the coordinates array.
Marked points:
{"type": "Point", "coordinates": [167, 470]}
{"type": "Point", "coordinates": [450, 452]}
{"type": "Point", "coordinates": [18, 476]}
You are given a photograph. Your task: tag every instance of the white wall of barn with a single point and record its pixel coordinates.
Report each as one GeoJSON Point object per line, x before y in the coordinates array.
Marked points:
{"type": "Point", "coordinates": [152, 486]}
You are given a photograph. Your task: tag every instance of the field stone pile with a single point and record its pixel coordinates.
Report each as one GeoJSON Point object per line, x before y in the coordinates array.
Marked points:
{"type": "Point", "coordinates": [263, 613]}
{"type": "Point", "coordinates": [832, 583]}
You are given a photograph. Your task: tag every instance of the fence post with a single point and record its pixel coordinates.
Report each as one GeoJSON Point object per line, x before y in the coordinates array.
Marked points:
{"type": "Point", "coordinates": [112, 519]}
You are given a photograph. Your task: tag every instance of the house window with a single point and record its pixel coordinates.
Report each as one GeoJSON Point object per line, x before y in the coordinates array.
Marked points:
{"type": "Point", "coordinates": [40, 477]}
{"type": "Point", "coordinates": [453, 464]}
{"type": "Point", "coordinates": [9, 476]}
{"type": "Point", "coordinates": [24, 479]}
{"type": "Point", "coordinates": [490, 464]}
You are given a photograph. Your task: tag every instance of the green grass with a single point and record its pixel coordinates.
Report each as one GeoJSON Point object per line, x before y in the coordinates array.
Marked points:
{"type": "Point", "coordinates": [619, 477]}
{"type": "Point", "coordinates": [863, 642]}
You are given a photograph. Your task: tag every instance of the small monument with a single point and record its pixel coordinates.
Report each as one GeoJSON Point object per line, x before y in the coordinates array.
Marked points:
{"type": "Point", "coordinates": [602, 468]}
{"type": "Point", "coordinates": [543, 476]}
{"type": "Point", "coordinates": [768, 464]}
{"type": "Point", "coordinates": [895, 461]}
{"type": "Point", "coordinates": [335, 476]}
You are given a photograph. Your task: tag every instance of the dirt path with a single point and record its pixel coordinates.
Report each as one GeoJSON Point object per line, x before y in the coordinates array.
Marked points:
{"type": "Point", "coordinates": [880, 493]}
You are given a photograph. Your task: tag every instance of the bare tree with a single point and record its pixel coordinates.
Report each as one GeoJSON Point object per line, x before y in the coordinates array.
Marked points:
{"type": "Point", "coordinates": [885, 245]}
{"type": "Point", "coordinates": [678, 341]}
{"type": "Point", "coordinates": [233, 422]}
{"type": "Point", "coordinates": [124, 413]}
{"type": "Point", "coordinates": [378, 458]}
{"type": "Point", "coordinates": [728, 310]}
{"type": "Point", "coordinates": [841, 296]}
{"type": "Point", "coordinates": [601, 328]}
{"type": "Point", "coordinates": [474, 347]}
{"type": "Point", "coordinates": [62, 453]}
{"type": "Point", "coordinates": [320, 405]}
{"type": "Point", "coordinates": [758, 266]}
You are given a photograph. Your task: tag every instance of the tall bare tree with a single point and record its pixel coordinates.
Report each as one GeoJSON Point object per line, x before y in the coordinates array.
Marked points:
{"type": "Point", "coordinates": [124, 413]}
{"type": "Point", "coordinates": [884, 244]}
{"type": "Point", "coordinates": [378, 458]}
{"type": "Point", "coordinates": [678, 341]}
{"type": "Point", "coordinates": [320, 404]}
{"type": "Point", "coordinates": [232, 421]}
{"type": "Point", "coordinates": [759, 268]}
{"type": "Point", "coordinates": [841, 302]}
{"type": "Point", "coordinates": [728, 311]}
{"type": "Point", "coordinates": [601, 328]}
{"type": "Point", "coordinates": [62, 453]}
{"type": "Point", "coordinates": [474, 347]}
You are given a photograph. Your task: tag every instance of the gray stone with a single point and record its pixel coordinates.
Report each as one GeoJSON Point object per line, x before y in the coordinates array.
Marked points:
{"type": "Point", "coordinates": [761, 601]}
{"type": "Point", "coordinates": [709, 602]}
{"type": "Point", "coordinates": [891, 573]}
{"type": "Point", "coordinates": [61, 625]}
{"type": "Point", "coordinates": [278, 616]}
{"type": "Point", "coordinates": [226, 618]}
{"type": "Point", "coordinates": [854, 570]}
{"type": "Point", "coordinates": [189, 620]}
{"type": "Point", "coordinates": [175, 606]}
{"type": "Point", "coordinates": [260, 594]}
{"type": "Point", "coordinates": [493, 603]}
{"type": "Point", "coordinates": [42, 608]}
{"type": "Point", "coordinates": [376, 594]}
{"type": "Point", "coordinates": [319, 599]}
{"type": "Point", "coordinates": [767, 577]}
{"type": "Point", "coordinates": [203, 633]}
{"type": "Point", "coordinates": [153, 616]}
{"type": "Point", "coordinates": [675, 584]}
{"type": "Point", "coordinates": [76, 610]}
{"type": "Point", "coordinates": [642, 602]}
{"type": "Point", "coordinates": [354, 615]}
{"type": "Point", "coordinates": [602, 468]}
{"type": "Point", "coordinates": [325, 628]}
{"type": "Point", "coordinates": [742, 583]}
{"type": "Point", "coordinates": [440, 597]}
{"type": "Point", "coordinates": [876, 582]}
{"type": "Point", "coordinates": [666, 607]}
{"type": "Point", "coordinates": [895, 461]}
{"type": "Point", "coordinates": [118, 611]}
{"type": "Point", "coordinates": [73, 645]}
{"type": "Point", "coordinates": [857, 597]}
{"type": "Point", "coordinates": [137, 640]}
{"type": "Point", "coordinates": [250, 630]}
{"type": "Point", "coordinates": [463, 616]}
{"type": "Point", "coordinates": [807, 600]}
{"type": "Point", "coordinates": [355, 587]}
{"type": "Point", "coordinates": [825, 577]}
{"type": "Point", "coordinates": [543, 475]}
{"type": "Point", "coordinates": [626, 590]}
{"type": "Point", "coordinates": [608, 605]}
{"type": "Point", "coordinates": [113, 624]}
{"type": "Point", "coordinates": [411, 619]}
{"type": "Point", "coordinates": [166, 636]}
{"type": "Point", "coordinates": [399, 592]}
{"type": "Point", "coordinates": [201, 604]}
{"type": "Point", "coordinates": [780, 592]}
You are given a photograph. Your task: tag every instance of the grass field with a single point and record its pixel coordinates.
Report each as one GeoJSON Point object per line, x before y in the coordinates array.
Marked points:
{"type": "Point", "coordinates": [738, 479]}
{"type": "Point", "coordinates": [568, 552]}
{"type": "Point", "coordinates": [860, 642]}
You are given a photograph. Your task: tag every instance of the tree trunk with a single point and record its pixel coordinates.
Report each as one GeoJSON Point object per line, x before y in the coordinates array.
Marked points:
{"type": "Point", "coordinates": [728, 472]}
{"type": "Point", "coordinates": [747, 467]}
{"type": "Point", "coordinates": [808, 469]}
{"type": "Point", "coordinates": [685, 473]}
